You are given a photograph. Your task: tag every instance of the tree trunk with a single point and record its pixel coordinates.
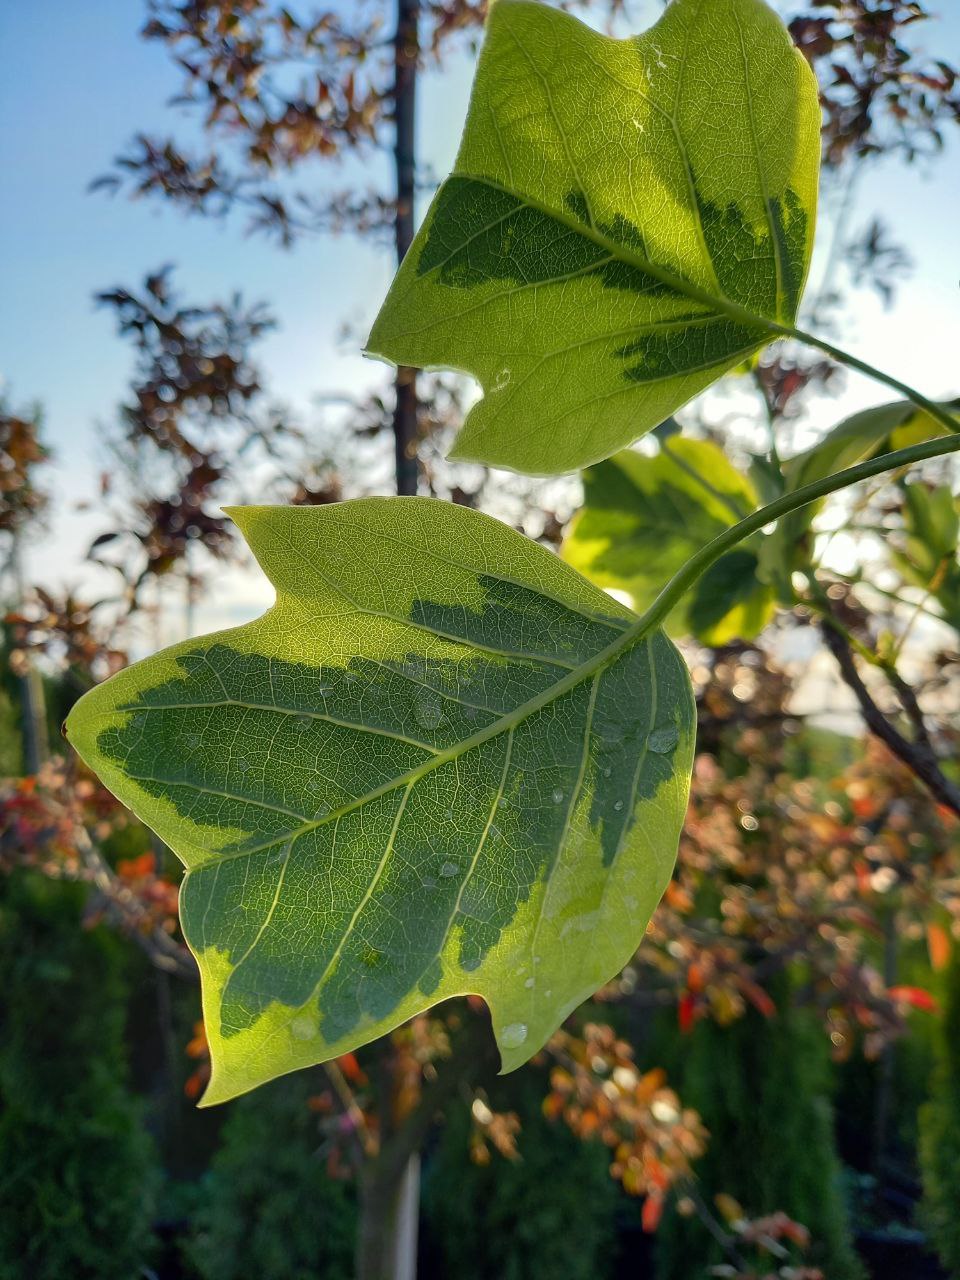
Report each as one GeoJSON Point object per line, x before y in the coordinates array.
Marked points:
{"type": "Point", "coordinates": [406, 51]}
{"type": "Point", "coordinates": [33, 704]}
{"type": "Point", "coordinates": [884, 1096]}
{"type": "Point", "coordinates": [390, 1191]}
{"type": "Point", "coordinates": [33, 720]}
{"type": "Point", "coordinates": [389, 1213]}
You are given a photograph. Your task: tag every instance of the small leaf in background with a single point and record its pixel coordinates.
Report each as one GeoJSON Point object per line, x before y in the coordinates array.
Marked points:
{"type": "Point", "coordinates": [939, 946]}
{"type": "Point", "coordinates": [927, 556]}
{"type": "Point", "coordinates": [643, 518]}
{"type": "Point", "coordinates": [864, 435]}
{"type": "Point", "coordinates": [440, 764]}
{"type": "Point", "coordinates": [594, 288]}
{"type": "Point", "coordinates": [651, 1213]}
{"type": "Point", "coordinates": [915, 997]}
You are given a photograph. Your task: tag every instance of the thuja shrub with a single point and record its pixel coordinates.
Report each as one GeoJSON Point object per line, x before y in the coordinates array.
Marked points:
{"type": "Point", "coordinates": [940, 1132]}
{"type": "Point", "coordinates": [78, 1168]}
{"type": "Point", "coordinates": [763, 1088]}
{"type": "Point", "coordinates": [551, 1212]}
{"type": "Point", "coordinates": [268, 1208]}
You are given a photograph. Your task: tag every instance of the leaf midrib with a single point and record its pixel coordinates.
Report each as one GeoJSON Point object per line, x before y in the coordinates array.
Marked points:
{"type": "Point", "coordinates": [624, 253]}
{"type": "Point", "coordinates": [591, 667]}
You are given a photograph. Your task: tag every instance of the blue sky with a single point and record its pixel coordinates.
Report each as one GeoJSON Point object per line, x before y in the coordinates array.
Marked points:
{"type": "Point", "coordinates": [78, 81]}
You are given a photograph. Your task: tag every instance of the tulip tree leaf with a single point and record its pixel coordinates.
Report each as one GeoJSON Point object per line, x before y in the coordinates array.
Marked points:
{"type": "Point", "coordinates": [927, 554]}
{"type": "Point", "coordinates": [863, 435]}
{"type": "Point", "coordinates": [624, 220]}
{"type": "Point", "coordinates": [880, 429]}
{"type": "Point", "coordinates": [643, 518]}
{"type": "Point", "coordinates": [442, 763]}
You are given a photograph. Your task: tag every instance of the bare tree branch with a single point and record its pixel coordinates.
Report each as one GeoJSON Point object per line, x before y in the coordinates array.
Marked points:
{"type": "Point", "coordinates": [917, 755]}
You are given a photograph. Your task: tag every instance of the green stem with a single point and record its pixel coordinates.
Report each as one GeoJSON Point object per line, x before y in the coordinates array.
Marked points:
{"type": "Point", "coordinates": [936, 411]}
{"type": "Point", "coordinates": [782, 506]}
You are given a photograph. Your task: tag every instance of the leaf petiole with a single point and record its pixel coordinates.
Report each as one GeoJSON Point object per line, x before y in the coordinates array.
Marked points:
{"type": "Point", "coordinates": [936, 411]}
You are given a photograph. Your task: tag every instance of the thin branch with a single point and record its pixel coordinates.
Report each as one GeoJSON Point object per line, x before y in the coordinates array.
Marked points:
{"type": "Point", "coordinates": [163, 951]}
{"type": "Point", "coordinates": [918, 755]}
{"type": "Point", "coordinates": [474, 1054]}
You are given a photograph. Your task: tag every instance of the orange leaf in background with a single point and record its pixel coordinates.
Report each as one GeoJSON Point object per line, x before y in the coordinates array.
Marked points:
{"type": "Point", "coordinates": [864, 807]}
{"type": "Point", "coordinates": [758, 998]}
{"type": "Point", "coordinates": [685, 1012]}
{"type": "Point", "coordinates": [649, 1083]}
{"type": "Point", "coordinates": [796, 1232]}
{"type": "Point", "coordinates": [553, 1105]}
{"type": "Point", "coordinates": [939, 946]}
{"type": "Point", "coordinates": [695, 978]}
{"type": "Point", "coordinates": [197, 1047]}
{"type": "Point", "coordinates": [678, 897]}
{"type": "Point", "coordinates": [137, 868]}
{"type": "Point", "coordinates": [916, 997]}
{"type": "Point", "coordinates": [651, 1213]}
{"type": "Point", "coordinates": [194, 1083]}
{"type": "Point", "coordinates": [352, 1069]}
{"type": "Point", "coordinates": [862, 869]}
{"type": "Point", "coordinates": [589, 1124]}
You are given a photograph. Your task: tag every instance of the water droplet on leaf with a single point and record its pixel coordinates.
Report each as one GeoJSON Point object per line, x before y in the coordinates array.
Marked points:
{"type": "Point", "coordinates": [428, 711]}
{"type": "Point", "coordinates": [664, 740]}
{"type": "Point", "coordinates": [513, 1036]}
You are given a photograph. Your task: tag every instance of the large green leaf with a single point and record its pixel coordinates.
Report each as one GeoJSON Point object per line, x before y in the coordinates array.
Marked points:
{"type": "Point", "coordinates": [442, 763]}
{"type": "Point", "coordinates": [624, 220]}
{"type": "Point", "coordinates": [642, 520]}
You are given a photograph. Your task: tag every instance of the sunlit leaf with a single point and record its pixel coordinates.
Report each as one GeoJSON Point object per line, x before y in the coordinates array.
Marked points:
{"type": "Point", "coordinates": [643, 518]}
{"type": "Point", "coordinates": [624, 219]}
{"type": "Point", "coordinates": [928, 554]}
{"type": "Point", "coordinates": [442, 763]}
{"type": "Point", "coordinates": [863, 435]}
